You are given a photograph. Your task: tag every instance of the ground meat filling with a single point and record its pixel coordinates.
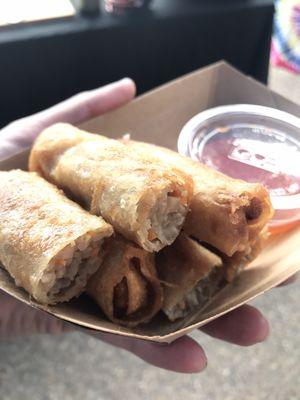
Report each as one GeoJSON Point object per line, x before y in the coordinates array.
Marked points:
{"type": "Point", "coordinates": [254, 210]}
{"type": "Point", "coordinates": [166, 219]}
{"type": "Point", "coordinates": [199, 295]}
{"type": "Point", "coordinates": [70, 269]}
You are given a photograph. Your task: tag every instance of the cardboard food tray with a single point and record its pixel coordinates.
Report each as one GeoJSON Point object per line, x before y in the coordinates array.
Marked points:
{"type": "Point", "coordinates": [158, 117]}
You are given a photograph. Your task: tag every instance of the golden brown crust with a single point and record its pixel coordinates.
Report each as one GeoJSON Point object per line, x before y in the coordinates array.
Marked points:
{"type": "Point", "coordinates": [222, 209]}
{"type": "Point", "coordinates": [181, 267]}
{"type": "Point", "coordinates": [126, 286]}
{"type": "Point", "coordinates": [241, 259]}
{"type": "Point", "coordinates": [108, 178]}
{"type": "Point", "coordinates": [36, 222]}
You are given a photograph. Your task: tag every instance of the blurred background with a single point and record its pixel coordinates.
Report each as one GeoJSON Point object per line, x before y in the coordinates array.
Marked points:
{"type": "Point", "coordinates": [51, 49]}
{"type": "Point", "coordinates": [44, 62]}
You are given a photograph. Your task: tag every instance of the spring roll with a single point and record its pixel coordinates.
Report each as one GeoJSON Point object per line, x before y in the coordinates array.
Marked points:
{"type": "Point", "coordinates": [191, 275]}
{"type": "Point", "coordinates": [126, 286]}
{"type": "Point", "coordinates": [145, 201]}
{"type": "Point", "coordinates": [226, 213]}
{"type": "Point", "coordinates": [48, 244]}
{"type": "Point", "coordinates": [240, 259]}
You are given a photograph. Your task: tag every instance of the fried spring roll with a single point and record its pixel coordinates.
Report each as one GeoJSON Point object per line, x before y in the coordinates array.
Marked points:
{"type": "Point", "coordinates": [145, 201]}
{"type": "Point", "coordinates": [240, 259]}
{"type": "Point", "coordinates": [48, 244]}
{"type": "Point", "coordinates": [191, 275]}
{"type": "Point", "coordinates": [126, 286]}
{"type": "Point", "coordinates": [226, 213]}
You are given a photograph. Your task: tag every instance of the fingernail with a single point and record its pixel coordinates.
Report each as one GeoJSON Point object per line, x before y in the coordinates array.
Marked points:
{"type": "Point", "coordinates": [126, 80]}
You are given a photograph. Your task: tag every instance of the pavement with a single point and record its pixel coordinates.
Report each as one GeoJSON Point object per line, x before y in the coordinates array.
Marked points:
{"type": "Point", "coordinates": [75, 367]}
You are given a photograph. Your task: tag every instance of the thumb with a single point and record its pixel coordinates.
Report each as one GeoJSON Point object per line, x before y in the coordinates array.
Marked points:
{"type": "Point", "coordinates": [19, 134]}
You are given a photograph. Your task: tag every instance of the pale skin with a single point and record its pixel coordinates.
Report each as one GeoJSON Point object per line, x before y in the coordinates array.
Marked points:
{"type": "Point", "coordinates": [244, 326]}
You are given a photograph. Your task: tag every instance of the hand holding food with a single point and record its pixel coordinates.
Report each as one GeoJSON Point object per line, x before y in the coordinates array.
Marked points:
{"type": "Point", "coordinates": [136, 188]}
{"type": "Point", "coordinates": [185, 349]}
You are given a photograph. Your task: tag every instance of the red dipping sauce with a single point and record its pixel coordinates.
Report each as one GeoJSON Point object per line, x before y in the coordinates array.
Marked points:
{"type": "Point", "coordinates": [254, 143]}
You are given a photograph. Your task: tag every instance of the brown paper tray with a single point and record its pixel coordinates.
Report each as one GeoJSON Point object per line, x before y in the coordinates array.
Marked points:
{"type": "Point", "coordinates": [158, 117]}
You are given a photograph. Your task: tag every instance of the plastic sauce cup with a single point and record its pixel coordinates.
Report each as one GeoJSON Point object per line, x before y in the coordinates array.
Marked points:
{"type": "Point", "coordinates": [254, 143]}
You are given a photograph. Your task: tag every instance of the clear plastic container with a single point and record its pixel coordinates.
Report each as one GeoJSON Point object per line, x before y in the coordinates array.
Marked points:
{"type": "Point", "coordinates": [254, 143]}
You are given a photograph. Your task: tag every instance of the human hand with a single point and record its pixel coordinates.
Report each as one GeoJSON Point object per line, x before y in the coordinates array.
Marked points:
{"type": "Point", "coordinates": [244, 326]}
{"type": "Point", "coordinates": [19, 134]}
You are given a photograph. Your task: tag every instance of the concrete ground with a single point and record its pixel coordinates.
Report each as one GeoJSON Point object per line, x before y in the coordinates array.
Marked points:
{"type": "Point", "coordinates": [77, 367]}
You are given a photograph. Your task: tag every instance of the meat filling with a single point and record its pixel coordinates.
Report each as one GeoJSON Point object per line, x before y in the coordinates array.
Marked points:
{"type": "Point", "coordinates": [166, 219]}
{"type": "Point", "coordinates": [71, 268]}
{"type": "Point", "coordinates": [199, 295]}
{"type": "Point", "coordinates": [254, 210]}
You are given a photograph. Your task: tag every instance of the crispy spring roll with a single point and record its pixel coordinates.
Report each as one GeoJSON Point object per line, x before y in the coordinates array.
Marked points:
{"type": "Point", "coordinates": [191, 275]}
{"type": "Point", "coordinates": [145, 201]}
{"type": "Point", "coordinates": [126, 286]}
{"type": "Point", "coordinates": [240, 259]}
{"type": "Point", "coordinates": [48, 244]}
{"type": "Point", "coordinates": [226, 213]}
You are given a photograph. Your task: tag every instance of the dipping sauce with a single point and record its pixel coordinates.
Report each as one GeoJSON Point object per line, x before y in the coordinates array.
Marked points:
{"type": "Point", "coordinates": [253, 143]}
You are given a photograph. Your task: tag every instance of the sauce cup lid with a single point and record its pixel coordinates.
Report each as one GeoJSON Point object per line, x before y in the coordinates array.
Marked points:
{"type": "Point", "coordinates": [254, 143]}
